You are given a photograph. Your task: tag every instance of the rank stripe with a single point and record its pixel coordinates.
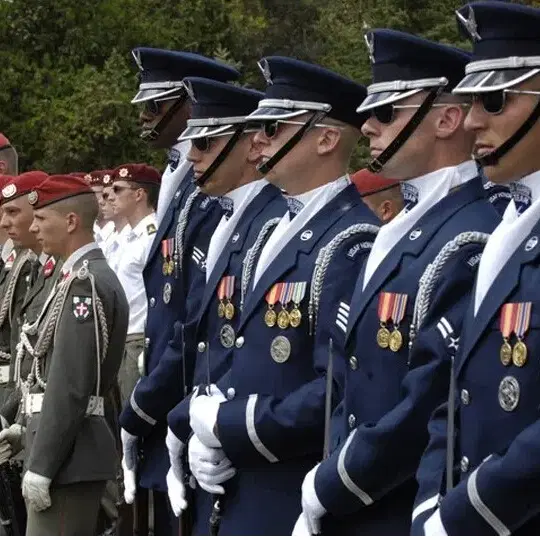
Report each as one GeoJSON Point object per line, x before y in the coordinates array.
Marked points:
{"type": "Point", "coordinates": [342, 318]}
{"type": "Point", "coordinates": [342, 305]}
{"type": "Point", "coordinates": [339, 324]}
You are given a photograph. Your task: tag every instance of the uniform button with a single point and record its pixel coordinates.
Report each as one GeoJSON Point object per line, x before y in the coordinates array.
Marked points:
{"type": "Point", "coordinates": [201, 347]}
{"type": "Point", "coordinates": [465, 397]}
{"type": "Point", "coordinates": [352, 420]}
{"type": "Point", "coordinates": [147, 342]}
{"type": "Point", "coordinates": [464, 464]}
{"type": "Point", "coordinates": [231, 392]}
{"type": "Point", "coordinates": [239, 342]}
{"type": "Point", "coordinates": [152, 302]}
{"type": "Point", "coordinates": [353, 362]}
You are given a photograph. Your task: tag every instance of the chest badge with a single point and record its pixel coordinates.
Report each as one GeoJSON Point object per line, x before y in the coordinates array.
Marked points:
{"type": "Point", "coordinates": [509, 393]}
{"type": "Point", "coordinates": [391, 308]}
{"type": "Point", "coordinates": [306, 235]}
{"type": "Point", "coordinates": [167, 293]}
{"type": "Point", "coordinates": [280, 349]}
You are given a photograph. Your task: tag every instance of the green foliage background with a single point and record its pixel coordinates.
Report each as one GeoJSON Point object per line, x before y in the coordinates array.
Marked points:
{"type": "Point", "coordinates": [67, 77]}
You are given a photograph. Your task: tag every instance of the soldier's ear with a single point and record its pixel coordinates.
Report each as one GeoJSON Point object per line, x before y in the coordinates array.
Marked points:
{"type": "Point", "coordinates": [449, 120]}
{"type": "Point", "coordinates": [328, 140]}
{"type": "Point", "coordinates": [72, 222]}
{"type": "Point", "coordinates": [254, 152]}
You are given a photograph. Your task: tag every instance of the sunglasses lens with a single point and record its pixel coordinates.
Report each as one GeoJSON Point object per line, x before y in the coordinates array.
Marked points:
{"type": "Point", "coordinates": [493, 102]}
{"type": "Point", "coordinates": [202, 144]}
{"type": "Point", "coordinates": [384, 114]}
{"type": "Point", "coordinates": [270, 129]}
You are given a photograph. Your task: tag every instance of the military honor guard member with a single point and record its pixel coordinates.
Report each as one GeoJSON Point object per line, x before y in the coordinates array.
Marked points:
{"type": "Point", "coordinates": [398, 365]}
{"type": "Point", "coordinates": [70, 450]}
{"type": "Point", "coordinates": [177, 258]}
{"type": "Point", "coordinates": [382, 195]}
{"type": "Point", "coordinates": [267, 420]}
{"type": "Point", "coordinates": [479, 473]}
{"type": "Point", "coordinates": [134, 197]}
{"type": "Point", "coordinates": [102, 228]}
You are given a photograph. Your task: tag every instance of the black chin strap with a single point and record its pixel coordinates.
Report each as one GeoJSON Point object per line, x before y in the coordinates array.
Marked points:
{"type": "Point", "coordinates": [266, 167]}
{"type": "Point", "coordinates": [155, 132]}
{"type": "Point", "coordinates": [221, 157]}
{"type": "Point", "coordinates": [377, 164]}
{"type": "Point", "coordinates": [494, 157]}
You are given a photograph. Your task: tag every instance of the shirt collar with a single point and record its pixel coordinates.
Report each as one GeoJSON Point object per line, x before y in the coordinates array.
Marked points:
{"type": "Point", "coordinates": [43, 258]}
{"type": "Point", "coordinates": [76, 255]}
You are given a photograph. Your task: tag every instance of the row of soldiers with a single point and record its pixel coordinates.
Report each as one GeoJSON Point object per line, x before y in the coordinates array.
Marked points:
{"type": "Point", "coordinates": [307, 368]}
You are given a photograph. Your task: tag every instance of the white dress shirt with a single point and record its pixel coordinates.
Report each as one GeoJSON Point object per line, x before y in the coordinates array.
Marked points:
{"type": "Point", "coordinates": [430, 188]}
{"type": "Point", "coordinates": [313, 201]}
{"type": "Point", "coordinates": [170, 179]}
{"type": "Point", "coordinates": [130, 267]}
{"type": "Point", "coordinates": [506, 238]}
{"type": "Point", "coordinates": [101, 234]}
{"type": "Point", "coordinates": [112, 248]}
{"type": "Point", "coordinates": [241, 198]}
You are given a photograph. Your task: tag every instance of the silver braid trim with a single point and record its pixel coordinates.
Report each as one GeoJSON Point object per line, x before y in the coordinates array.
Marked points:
{"type": "Point", "coordinates": [181, 229]}
{"type": "Point", "coordinates": [323, 262]}
{"type": "Point", "coordinates": [252, 256]}
{"type": "Point", "coordinates": [433, 272]}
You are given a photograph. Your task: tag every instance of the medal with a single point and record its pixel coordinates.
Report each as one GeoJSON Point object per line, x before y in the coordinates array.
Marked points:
{"type": "Point", "coordinates": [280, 349]}
{"type": "Point", "coordinates": [221, 310]}
{"type": "Point", "coordinates": [383, 337]}
{"type": "Point", "coordinates": [229, 311]}
{"type": "Point", "coordinates": [398, 312]}
{"type": "Point", "coordinates": [506, 325]}
{"type": "Point", "coordinates": [396, 340]}
{"type": "Point", "coordinates": [509, 392]}
{"type": "Point", "coordinates": [228, 293]}
{"type": "Point", "coordinates": [295, 315]}
{"type": "Point", "coordinates": [391, 307]}
{"type": "Point", "coordinates": [170, 249]}
{"type": "Point", "coordinates": [285, 297]}
{"type": "Point", "coordinates": [270, 317]}
{"type": "Point", "coordinates": [171, 267]}
{"type": "Point", "coordinates": [167, 293]}
{"type": "Point", "coordinates": [523, 319]}
{"type": "Point", "coordinates": [283, 319]}
{"type": "Point", "coordinates": [384, 310]}
{"type": "Point", "coordinates": [221, 296]}
{"type": "Point", "coordinates": [165, 253]}
{"type": "Point", "coordinates": [227, 336]}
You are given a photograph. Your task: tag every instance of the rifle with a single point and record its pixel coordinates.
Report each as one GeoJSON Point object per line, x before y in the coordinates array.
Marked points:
{"type": "Point", "coordinates": [12, 507]}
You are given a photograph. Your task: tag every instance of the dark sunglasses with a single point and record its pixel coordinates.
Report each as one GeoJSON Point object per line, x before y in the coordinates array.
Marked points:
{"type": "Point", "coordinates": [271, 127]}
{"type": "Point", "coordinates": [119, 189]}
{"type": "Point", "coordinates": [494, 102]}
{"type": "Point", "coordinates": [202, 144]}
{"type": "Point", "coordinates": [386, 114]}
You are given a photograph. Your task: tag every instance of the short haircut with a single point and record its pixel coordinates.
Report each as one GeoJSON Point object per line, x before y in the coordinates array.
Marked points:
{"type": "Point", "coordinates": [84, 205]}
{"type": "Point", "coordinates": [152, 192]}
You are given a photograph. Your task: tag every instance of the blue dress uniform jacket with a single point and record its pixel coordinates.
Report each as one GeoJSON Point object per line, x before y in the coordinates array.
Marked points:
{"type": "Point", "coordinates": [367, 484]}
{"type": "Point", "coordinates": [272, 426]}
{"type": "Point", "coordinates": [185, 286]}
{"type": "Point", "coordinates": [497, 450]}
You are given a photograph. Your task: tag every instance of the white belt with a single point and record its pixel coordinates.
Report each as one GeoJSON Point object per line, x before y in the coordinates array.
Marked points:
{"type": "Point", "coordinates": [4, 374]}
{"type": "Point", "coordinates": [34, 403]}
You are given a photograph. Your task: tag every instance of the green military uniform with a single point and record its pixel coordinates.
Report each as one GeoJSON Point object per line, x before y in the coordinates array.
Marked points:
{"type": "Point", "coordinates": [76, 360]}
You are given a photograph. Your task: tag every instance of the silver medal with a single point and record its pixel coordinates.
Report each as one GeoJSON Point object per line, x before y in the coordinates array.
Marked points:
{"type": "Point", "coordinates": [280, 349]}
{"type": "Point", "coordinates": [167, 293]}
{"type": "Point", "coordinates": [509, 393]}
{"type": "Point", "coordinates": [227, 336]}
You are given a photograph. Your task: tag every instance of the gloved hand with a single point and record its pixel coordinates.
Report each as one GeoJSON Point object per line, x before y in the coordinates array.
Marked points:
{"type": "Point", "coordinates": [210, 466]}
{"type": "Point", "coordinates": [434, 525]}
{"type": "Point", "coordinates": [175, 476]}
{"type": "Point", "coordinates": [312, 509]}
{"type": "Point", "coordinates": [129, 464]}
{"type": "Point", "coordinates": [300, 527]}
{"type": "Point", "coordinates": [203, 411]}
{"type": "Point", "coordinates": [140, 364]}
{"type": "Point", "coordinates": [11, 441]}
{"type": "Point", "coordinates": [35, 489]}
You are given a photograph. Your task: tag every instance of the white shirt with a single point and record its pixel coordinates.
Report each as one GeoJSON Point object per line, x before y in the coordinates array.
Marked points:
{"type": "Point", "coordinates": [101, 234]}
{"type": "Point", "coordinates": [313, 201]}
{"type": "Point", "coordinates": [431, 189]}
{"type": "Point", "coordinates": [241, 198]}
{"type": "Point", "coordinates": [112, 248]}
{"type": "Point", "coordinates": [76, 255]}
{"type": "Point", "coordinates": [130, 267]}
{"type": "Point", "coordinates": [171, 179]}
{"type": "Point", "coordinates": [506, 238]}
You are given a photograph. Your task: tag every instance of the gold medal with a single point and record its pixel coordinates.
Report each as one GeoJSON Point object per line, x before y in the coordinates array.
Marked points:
{"type": "Point", "coordinates": [171, 267]}
{"type": "Point", "coordinates": [383, 337]}
{"type": "Point", "coordinates": [221, 310]}
{"type": "Point", "coordinates": [270, 317]}
{"type": "Point", "coordinates": [295, 317]}
{"type": "Point", "coordinates": [165, 268]}
{"type": "Point", "coordinates": [229, 310]}
{"type": "Point", "coordinates": [283, 319]}
{"type": "Point", "coordinates": [505, 353]}
{"type": "Point", "coordinates": [396, 340]}
{"type": "Point", "coordinates": [519, 354]}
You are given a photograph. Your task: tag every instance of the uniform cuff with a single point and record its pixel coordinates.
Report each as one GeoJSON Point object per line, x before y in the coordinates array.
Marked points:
{"type": "Point", "coordinates": [178, 420]}
{"type": "Point", "coordinates": [134, 420]}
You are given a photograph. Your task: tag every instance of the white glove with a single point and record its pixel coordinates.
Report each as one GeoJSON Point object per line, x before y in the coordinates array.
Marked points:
{"type": "Point", "coordinates": [11, 441]}
{"type": "Point", "coordinates": [300, 527]}
{"type": "Point", "coordinates": [129, 464]}
{"type": "Point", "coordinates": [312, 509]}
{"type": "Point", "coordinates": [35, 489]}
{"type": "Point", "coordinates": [175, 476]}
{"type": "Point", "coordinates": [203, 412]}
{"type": "Point", "coordinates": [140, 364]}
{"type": "Point", "coordinates": [210, 466]}
{"type": "Point", "coordinates": [434, 525]}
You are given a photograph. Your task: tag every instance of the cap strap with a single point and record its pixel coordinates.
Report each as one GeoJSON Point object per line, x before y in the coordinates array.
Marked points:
{"type": "Point", "coordinates": [376, 165]}
{"type": "Point", "coordinates": [153, 134]}
{"type": "Point", "coordinates": [221, 156]}
{"type": "Point", "coordinates": [265, 168]}
{"type": "Point", "coordinates": [494, 157]}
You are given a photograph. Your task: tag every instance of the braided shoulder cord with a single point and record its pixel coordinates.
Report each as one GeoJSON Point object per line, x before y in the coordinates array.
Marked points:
{"type": "Point", "coordinates": [181, 229]}
{"type": "Point", "coordinates": [323, 262]}
{"type": "Point", "coordinates": [252, 255]}
{"type": "Point", "coordinates": [433, 272]}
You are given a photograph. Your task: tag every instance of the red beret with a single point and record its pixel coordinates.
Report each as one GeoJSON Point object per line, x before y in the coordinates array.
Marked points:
{"type": "Point", "coordinates": [137, 172]}
{"type": "Point", "coordinates": [368, 183]}
{"type": "Point", "coordinates": [21, 185]}
{"type": "Point", "coordinates": [5, 179]}
{"type": "Point", "coordinates": [96, 178]}
{"type": "Point", "coordinates": [57, 188]}
{"type": "Point", "coordinates": [4, 141]}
